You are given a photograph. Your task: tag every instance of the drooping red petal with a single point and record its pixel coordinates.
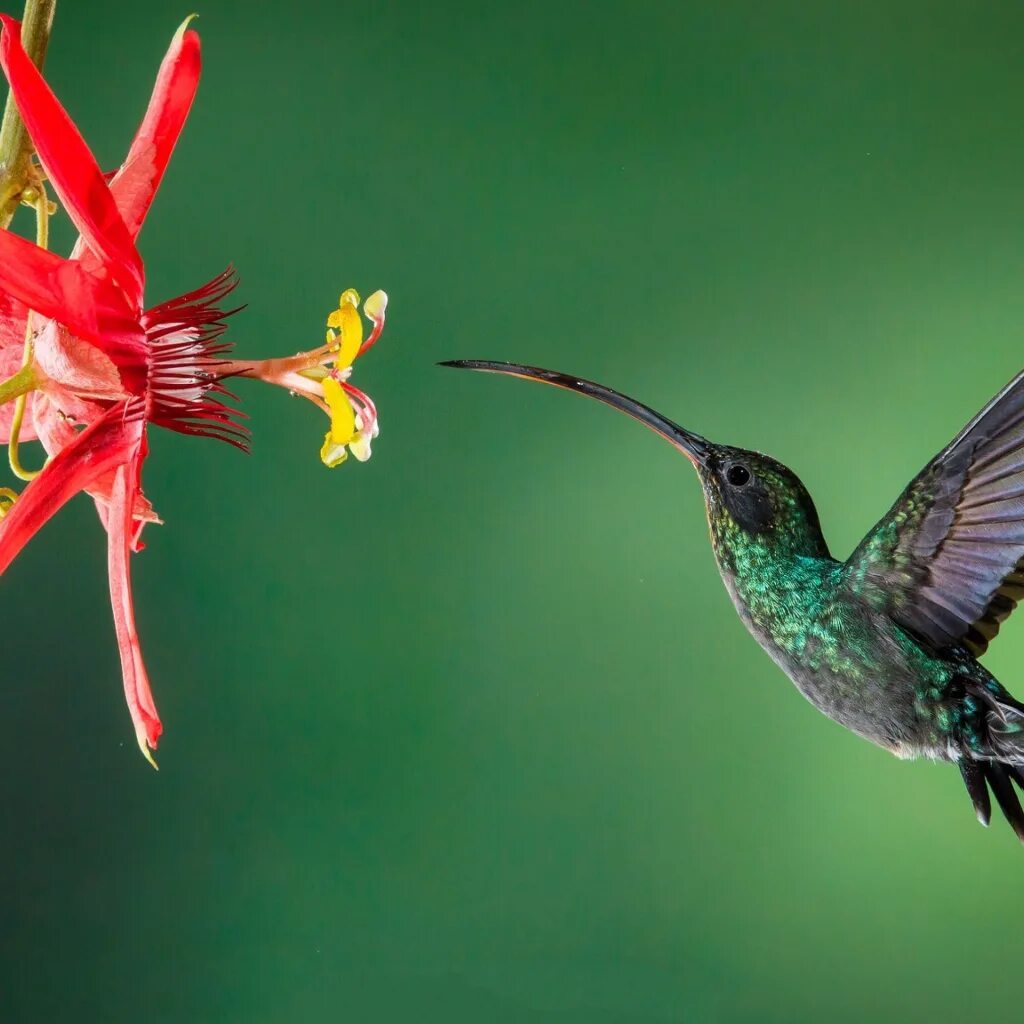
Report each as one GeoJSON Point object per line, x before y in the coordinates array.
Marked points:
{"type": "Point", "coordinates": [70, 165]}
{"type": "Point", "coordinates": [121, 536]}
{"type": "Point", "coordinates": [91, 307]}
{"type": "Point", "coordinates": [98, 449]}
{"type": "Point", "coordinates": [136, 182]}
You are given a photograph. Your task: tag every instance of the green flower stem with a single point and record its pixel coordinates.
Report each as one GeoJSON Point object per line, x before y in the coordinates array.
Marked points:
{"type": "Point", "coordinates": [15, 145]}
{"type": "Point", "coordinates": [21, 383]}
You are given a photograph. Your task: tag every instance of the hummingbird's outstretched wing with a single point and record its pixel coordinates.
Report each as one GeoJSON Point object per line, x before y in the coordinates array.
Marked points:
{"type": "Point", "coordinates": [947, 560]}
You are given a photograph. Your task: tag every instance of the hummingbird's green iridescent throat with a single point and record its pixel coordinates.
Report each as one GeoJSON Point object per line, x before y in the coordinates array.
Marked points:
{"type": "Point", "coordinates": [886, 643]}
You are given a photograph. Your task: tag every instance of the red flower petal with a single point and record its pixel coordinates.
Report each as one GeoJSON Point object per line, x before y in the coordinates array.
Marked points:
{"type": "Point", "coordinates": [70, 166]}
{"type": "Point", "coordinates": [12, 323]}
{"type": "Point", "coordinates": [136, 182]}
{"type": "Point", "coordinates": [92, 308]}
{"type": "Point", "coordinates": [98, 449]}
{"type": "Point", "coordinates": [121, 536]}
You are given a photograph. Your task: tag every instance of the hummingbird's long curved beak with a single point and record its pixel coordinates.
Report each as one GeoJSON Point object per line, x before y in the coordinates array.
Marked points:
{"type": "Point", "coordinates": [693, 446]}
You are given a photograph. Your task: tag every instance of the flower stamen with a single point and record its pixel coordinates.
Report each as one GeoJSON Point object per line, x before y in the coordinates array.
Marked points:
{"type": "Point", "coordinates": [321, 376]}
{"type": "Point", "coordinates": [186, 368]}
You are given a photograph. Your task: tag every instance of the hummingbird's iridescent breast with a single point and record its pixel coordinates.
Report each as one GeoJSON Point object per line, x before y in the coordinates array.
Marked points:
{"type": "Point", "coordinates": [844, 657]}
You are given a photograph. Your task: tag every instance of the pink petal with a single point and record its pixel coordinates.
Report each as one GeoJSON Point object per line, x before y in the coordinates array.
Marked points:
{"type": "Point", "coordinates": [100, 448]}
{"type": "Point", "coordinates": [121, 536]}
{"type": "Point", "coordinates": [75, 367]}
{"type": "Point", "coordinates": [62, 290]}
{"type": "Point", "coordinates": [28, 430]}
{"type": "Point", "coordinates": [56, 432]}
{"type": "Point", "coordinates": [52, 427]}
{"type": "Point", "coordinates": [70, 166]}
{"type": "Point", "coordinates": [135, 183]}
{"type": "Point", "coordinates": [12, 343]}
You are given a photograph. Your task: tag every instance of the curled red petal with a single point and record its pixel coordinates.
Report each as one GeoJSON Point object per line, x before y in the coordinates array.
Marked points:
{"type": "Point", "coordinates": [89, 306]}
{"type": "Point", "coordinates": [70, 165]}
{"type": "Point", "coordinates": [100, 448]}
{"type": "Point", "coordinates": [121, 534]}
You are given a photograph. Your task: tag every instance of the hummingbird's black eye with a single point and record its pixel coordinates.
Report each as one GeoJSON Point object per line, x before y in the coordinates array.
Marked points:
{"type": "Point", "coordinates": [737, 475]}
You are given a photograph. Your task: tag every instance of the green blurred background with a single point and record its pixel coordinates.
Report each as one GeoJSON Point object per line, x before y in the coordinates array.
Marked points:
{"type": "Point", "coordinates": [471, 732]}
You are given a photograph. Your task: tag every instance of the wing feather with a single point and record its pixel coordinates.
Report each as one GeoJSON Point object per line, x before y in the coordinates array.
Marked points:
{"type": "Point", "coordinates": [947, 561]}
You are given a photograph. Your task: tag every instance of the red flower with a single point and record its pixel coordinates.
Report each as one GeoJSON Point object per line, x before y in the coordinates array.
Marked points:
{"type": "Point", "coordinates": [102, 366]}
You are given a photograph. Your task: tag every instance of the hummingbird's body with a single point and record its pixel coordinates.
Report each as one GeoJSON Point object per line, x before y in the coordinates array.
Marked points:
{"type": "Point", "coordinates": [847, 658]}
{"type": "Point", "coordinates": [885, 643]}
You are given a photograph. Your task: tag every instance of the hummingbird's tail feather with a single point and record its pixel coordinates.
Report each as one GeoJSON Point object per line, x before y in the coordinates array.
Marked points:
{"type": "Point", "coordinates": [999, 778]}
{"type": "Point", "coordinates": [996, 760]}
{"type": "Point", "coordinates": [980, 776]}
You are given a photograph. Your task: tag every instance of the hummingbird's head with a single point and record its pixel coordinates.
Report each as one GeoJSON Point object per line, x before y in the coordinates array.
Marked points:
{"type": "Point", "coordinates": [751, 499]}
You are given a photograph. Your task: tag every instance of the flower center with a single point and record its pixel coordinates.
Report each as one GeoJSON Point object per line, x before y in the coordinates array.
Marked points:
{"type": "Point", "coordinates": [186, 368]}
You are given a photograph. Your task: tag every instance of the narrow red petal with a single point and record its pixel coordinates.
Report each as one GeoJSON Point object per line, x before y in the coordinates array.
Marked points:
{"type": "Point", "coordinates": [98, 449]}
{"type": "Point", "coordinates": [121, 536]}
{"type": "Point", "coordinates": [136, 182]}
{"type": "Point", "coordinates": [69, 165]}
{"type": "Point", "coordinates": [60, 289]}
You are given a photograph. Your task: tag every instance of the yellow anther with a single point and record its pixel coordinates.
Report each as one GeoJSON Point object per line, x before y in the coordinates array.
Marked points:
{"type": "Point", "coordinates": [345, 329]}
{"type": "Point", "coordinates": [343, 424]}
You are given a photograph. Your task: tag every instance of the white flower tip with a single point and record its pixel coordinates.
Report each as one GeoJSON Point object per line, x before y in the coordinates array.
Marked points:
{"type": "Point", "coordinates": [144, 747]}
{"type": "Point", "coordinates": [178, 36]}
{"type": "Point", "coordinates": [376, 305]}
{"type": "Point", "coordinates": [360, 448]}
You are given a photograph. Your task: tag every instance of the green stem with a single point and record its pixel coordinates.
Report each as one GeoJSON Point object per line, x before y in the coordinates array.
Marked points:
{"type": "Point", "coordinates": [21, 383]}
{"type": "Point", "coordinates": [15, 145]}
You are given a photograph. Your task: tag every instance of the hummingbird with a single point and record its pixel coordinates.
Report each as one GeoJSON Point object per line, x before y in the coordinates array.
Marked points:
{"type": "Point", "coordinates": [887, 642]}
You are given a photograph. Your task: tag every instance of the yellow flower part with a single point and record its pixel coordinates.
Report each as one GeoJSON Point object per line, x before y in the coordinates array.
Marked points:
{"type": "Point", "coordinates": [323, 374]}
{"type": "Point", "coordinates": [343, 424]}
{"type": "Point", "coordinates": [345, 329]}
{"type": "Point", "coordinates": [375, 306]}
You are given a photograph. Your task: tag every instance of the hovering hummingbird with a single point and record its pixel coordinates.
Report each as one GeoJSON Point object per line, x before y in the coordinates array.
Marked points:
{"type": "Point", "coordinates": [886, 643]}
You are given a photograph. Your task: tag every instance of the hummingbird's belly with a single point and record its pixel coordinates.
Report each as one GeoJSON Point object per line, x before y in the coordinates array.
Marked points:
{"type": "Point", "coordinates": [876, 702]}
{"type": "Point", "coordinates": [855, 667]}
